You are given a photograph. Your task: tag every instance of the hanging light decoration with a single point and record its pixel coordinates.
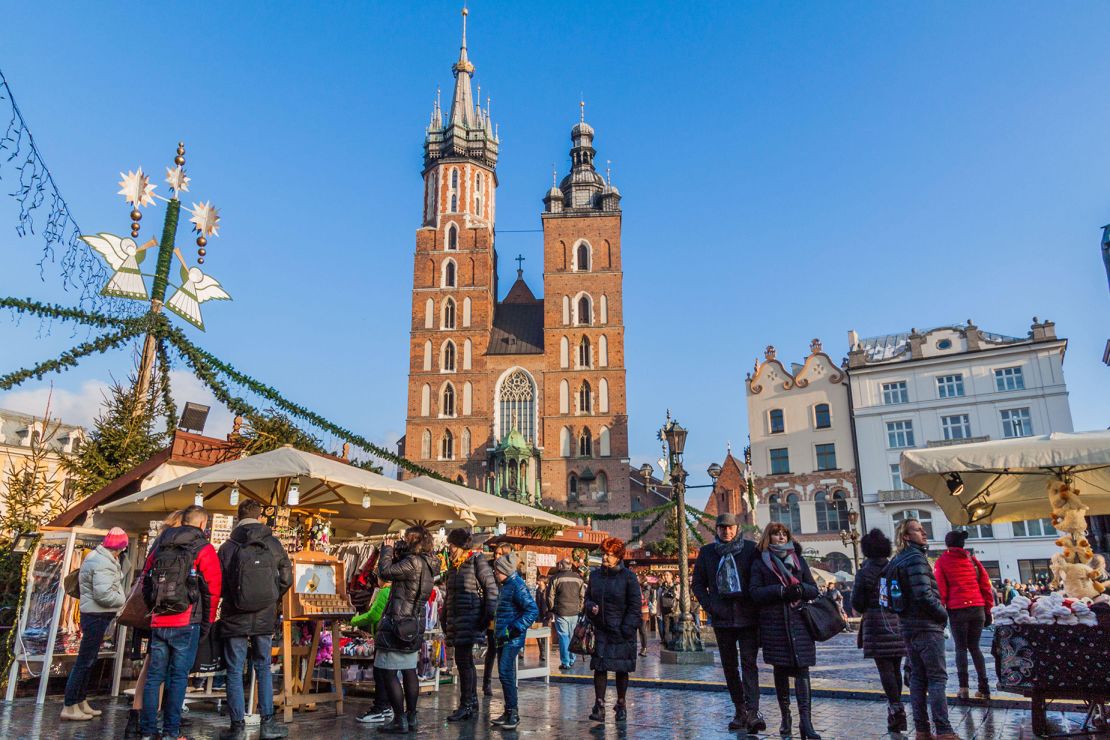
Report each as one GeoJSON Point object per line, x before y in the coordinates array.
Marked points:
{"type": "Point", "coordinates": [198, 499]}
{"type": "Point", "coordinates": [442, 532]}
{"type": "Point", "coordinates": [501, 526]}
{"type": "Point", "coordinates": [366, 500]}
{"type": "Point", "coordinates": [294, 496]}
{"type": "Point", "coordinates": [234, 500]}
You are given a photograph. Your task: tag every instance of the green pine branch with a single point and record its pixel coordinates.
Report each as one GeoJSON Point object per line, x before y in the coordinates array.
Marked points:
{"type": "Point", "coordinates": [70, 357]}
{"type": "Point", "coordinates": [64, 313]}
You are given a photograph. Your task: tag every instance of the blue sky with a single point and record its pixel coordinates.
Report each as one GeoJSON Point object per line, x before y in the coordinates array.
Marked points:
{"type": "Point", "coordinates": [789, 171]}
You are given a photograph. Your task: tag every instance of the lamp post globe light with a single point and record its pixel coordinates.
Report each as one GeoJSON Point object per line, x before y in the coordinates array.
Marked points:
{"type": "Point", "coordinates": [685, 645]}
{"type": "Point", "coordinates": [851, 536]}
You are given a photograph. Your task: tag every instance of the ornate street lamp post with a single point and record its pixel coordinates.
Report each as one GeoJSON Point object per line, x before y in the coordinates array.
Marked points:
{"type": "Point", "coordinates": [852, 536]}
{"type": "Point", "coordinates": [686, 638]}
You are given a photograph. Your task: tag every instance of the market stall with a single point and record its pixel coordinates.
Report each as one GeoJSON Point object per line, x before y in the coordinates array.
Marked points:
{"type": "Point", "coordinates": [1056, 646]}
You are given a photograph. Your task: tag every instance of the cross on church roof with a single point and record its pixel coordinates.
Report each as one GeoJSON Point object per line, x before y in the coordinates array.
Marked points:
{"type": "Point", "coordinates": [520, 266]}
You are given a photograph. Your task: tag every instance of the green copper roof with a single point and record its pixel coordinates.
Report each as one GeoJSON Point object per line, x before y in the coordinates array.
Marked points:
{"type": "Point", "coordinates": [514, 442]}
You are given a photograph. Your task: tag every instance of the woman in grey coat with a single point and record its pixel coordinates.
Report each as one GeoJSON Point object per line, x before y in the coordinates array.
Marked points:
{"type": "Point", "coordinates": [102, 596]}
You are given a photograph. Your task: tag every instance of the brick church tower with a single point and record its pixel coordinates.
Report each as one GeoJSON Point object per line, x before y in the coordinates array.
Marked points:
{"type": "Point", "coordinates": [522, 397]}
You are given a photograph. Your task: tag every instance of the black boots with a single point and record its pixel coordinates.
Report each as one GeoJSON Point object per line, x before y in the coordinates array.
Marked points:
{"type": "Point", "coordinates": [598, 714]}
{"type": "Point", "coordinates": [896, 718]}
{"type": "Point", "coordinates": [740, 720]}
{"type": "Point", "coordinates": [272, 729]}
{"type": "Point", "coordinates": [805, 707]}
{"type": "Point", "coordinates": [782, 693]}
{"type": "Point", "coordinates": [621, 711]}
{"type": "Point", "coordinates": [132, 729]}
{"type": "Point", "coordinates": [399, 725]}
{"type": "Point", "coordinates": [237, 731]}
{"type": "Point", "coordinates": [756, 723]}
{"type": "Point", "coordinates": [468, 709]}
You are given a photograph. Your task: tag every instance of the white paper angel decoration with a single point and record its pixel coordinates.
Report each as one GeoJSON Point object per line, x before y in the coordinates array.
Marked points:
{"type": "Point", "coordinates": [124, 256]}
{"type": "Point", "coordinates": [196, 288]}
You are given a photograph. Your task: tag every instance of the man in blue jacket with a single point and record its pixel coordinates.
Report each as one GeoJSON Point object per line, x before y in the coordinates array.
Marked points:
{"type": "Point", "coordinates": [516, 611]}
{"type": "Point", "coordinates": [722, 590]}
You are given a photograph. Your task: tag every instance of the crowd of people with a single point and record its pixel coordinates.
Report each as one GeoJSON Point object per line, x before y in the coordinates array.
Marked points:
{"type": "Point", "coordinates": [754, 593]}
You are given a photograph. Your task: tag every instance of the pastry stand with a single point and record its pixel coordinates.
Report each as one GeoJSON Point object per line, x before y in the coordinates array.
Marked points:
{"type": "Point", "coordinates": [319, 594]}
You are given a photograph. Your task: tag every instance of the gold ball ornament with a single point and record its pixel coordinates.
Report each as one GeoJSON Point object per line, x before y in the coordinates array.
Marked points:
{"type": "Point", "coordinates": [134, 230]}
{"type": "Point", "coordinates": [201, 241]}
{"type": "Point", "coordinates": [179, 160]}
{"type": "Point", "coordinates": [200, 260]}
{"type": "Point", "coordinates": [136, 215]}
{"type": "Point", "coordinates": [201, 252]}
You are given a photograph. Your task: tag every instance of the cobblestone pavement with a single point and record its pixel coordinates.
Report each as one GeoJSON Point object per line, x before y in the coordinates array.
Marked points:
{"type": "Point", "coordinates": [555, 711]}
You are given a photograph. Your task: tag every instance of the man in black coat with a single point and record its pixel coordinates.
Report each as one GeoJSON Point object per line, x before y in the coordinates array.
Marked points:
{"type": "Point", "coordinates": [735, 619]}
{"type": "Point", "coordinates": [921, 617]}
{"type": "Point", "coordinates": [256, 573]}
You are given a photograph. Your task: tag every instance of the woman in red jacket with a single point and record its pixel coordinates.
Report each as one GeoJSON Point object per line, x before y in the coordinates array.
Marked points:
{"type": "Point", "coordinates": [965, 591]}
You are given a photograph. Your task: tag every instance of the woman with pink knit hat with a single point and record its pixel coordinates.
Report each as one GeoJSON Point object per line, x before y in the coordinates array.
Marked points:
{"type": "Point", "coordinates": [102, 597]}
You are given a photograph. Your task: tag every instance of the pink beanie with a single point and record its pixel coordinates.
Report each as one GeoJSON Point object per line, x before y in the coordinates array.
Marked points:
{"type": "Point", "coordinates": [116, 539]}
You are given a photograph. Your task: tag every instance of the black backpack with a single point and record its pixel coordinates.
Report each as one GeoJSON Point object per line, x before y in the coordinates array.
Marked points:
{"type": "Point", "coordinates": [171, 585]}
{"type": "Point", "coordinates": [666, 600]}
{"type": "Point", "coordinates": [253, 577]}
{"type": "Point", "coordinates": [892, 595]}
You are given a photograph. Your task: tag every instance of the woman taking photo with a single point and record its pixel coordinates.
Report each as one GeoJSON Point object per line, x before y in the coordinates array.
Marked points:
{"type": "Point", "coordinates": [411, 567]}
{"type": "Point", "coordinates": [780, 584]}
{"type": "Point", "coordinates": [966, 592]}
{"type": "Point", "coordinates": [879, 634]}
{"type": "Point", "coordinates": [613, 605]}
{"type": "Point", "coordinates": [469, 605]}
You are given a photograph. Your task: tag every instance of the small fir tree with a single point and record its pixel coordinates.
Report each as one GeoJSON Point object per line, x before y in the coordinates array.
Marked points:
{"type": "Point", "coordinates": [271, 430]}
{"type": "Point", "coordinates": [32, 493]}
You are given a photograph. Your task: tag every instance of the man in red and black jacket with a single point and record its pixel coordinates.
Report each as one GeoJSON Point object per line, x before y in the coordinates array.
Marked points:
{"type": "Point", "coordinates": [175, 634]}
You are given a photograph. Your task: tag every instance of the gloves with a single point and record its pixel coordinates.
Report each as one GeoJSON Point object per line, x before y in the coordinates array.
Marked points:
{"type": "Point", "coordinates": [507, 635]}
{"type": "Point", "coordinates": [515, 632]}
{"type": "Point", "coordinates": [793, 592]}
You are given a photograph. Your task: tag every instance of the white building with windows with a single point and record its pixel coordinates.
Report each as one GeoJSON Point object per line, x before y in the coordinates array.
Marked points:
{"type": "Point", "coordinates": [803, 460]}
{"type": "Point", "coordinates": [952, 385]}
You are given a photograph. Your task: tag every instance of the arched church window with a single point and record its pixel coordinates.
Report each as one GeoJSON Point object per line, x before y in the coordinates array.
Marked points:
{"type": "Point", "coordinates": [447, 446]}
{"type": "Point", "coordinates": [449, 357]}
{"type": "Point", "coordinates": [449, 314]}
{"type": "Point", "coordinates": [572, 488]}
{"type": "Point", "coordinates": [464, 444]}
{"type": "Point", "coordinates": [585, 444]}
{"type": "Point", "coordinates": [452, 237]}
{"type": "Point", "coordinates": [449, 275]}
{"type": "Point", "coordinates": [582, 257]}
{"type": "Point", "coordinates": [584, 310]}
{"type": "Point", "coordinates": [454, 179]}
{"type": "Point", "coordinates": [447, 402]}
{"type": "Point", "coordinates": [585, 398]}
{"type": "Point", "coordinates": [517, 405]}
{"type": "Point", "coordinates": [426, 444]}
{"type": "Point", "coordinates": [602, 492]}
{"type": "Point", "coordinates": [584, 352]}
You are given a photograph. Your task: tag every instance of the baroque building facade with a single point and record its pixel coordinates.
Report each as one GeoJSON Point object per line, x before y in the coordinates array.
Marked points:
{"type": "Point", "coordinates": [522, 396]}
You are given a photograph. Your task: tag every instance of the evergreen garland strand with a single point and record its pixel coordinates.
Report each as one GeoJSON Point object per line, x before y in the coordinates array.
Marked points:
{"type": "Point", "coordinates": [64, 313]}
{"type": "Point", "coordinates": [656, 520]}
{"type": "Point", "coordinates": [69, 358]}
{"type": "Point", "coordinates": [164, 377]}
{"type": "Point", "coordinates": [699, 513]}
{"type": "Point", "coordinates": [642, 514]}
{"type": "Point", "coordinates": [693, 527]}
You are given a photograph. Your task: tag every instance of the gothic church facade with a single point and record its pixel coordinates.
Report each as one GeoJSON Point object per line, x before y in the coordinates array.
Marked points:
{"type": "Point", "coordinates": [524, 396]}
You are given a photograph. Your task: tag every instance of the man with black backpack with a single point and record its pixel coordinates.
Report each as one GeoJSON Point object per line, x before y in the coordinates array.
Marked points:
{"type": "Point", "coordinates": [256, 572]}
{"type": "Point", "coordinates": [181, 587]}
{"type": "Point", "coordinates": [721, 575]}
{"type": "Point", "coordinates": [666, 597]}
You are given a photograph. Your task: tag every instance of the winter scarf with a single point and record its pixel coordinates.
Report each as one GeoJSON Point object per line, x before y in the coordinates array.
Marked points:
{"type": "Point", "coordinates": [783, 562]}
{"type": "Point", "coordinates": [732, 547]}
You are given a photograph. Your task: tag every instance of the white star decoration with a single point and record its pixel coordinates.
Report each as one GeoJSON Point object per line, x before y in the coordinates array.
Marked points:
{"type": "Point", "coordinates": [136, 188]}
{"type": "Point", "coordinates": [177, 179]}
{"type": "Point", "coordinates": [206, 219]}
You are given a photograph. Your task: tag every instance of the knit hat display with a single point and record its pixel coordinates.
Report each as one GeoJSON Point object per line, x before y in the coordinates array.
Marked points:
{"type": "Point", "coordinates": [116, 539]}
{"type": "Point", "coordinates": [955, 538]}
{"type": "Point", "coordinates": [507, 564]}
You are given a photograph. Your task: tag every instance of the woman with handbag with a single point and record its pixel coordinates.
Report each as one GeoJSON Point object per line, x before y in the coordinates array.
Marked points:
{"type": "Point", "coordinates": [468, 607]}
{"type": "Point", "coordinates": [101, 586]}
{"type": "Point", "coordinates": [781, 583]}
{"type": "Point", "coordinates": [411, 566]}
{"type": "Point", "coordinates": [879, 633]}
{"type": "Point", "coordinates": [613, 608]}
{"type": "Point", "coordinates": [967, 594]}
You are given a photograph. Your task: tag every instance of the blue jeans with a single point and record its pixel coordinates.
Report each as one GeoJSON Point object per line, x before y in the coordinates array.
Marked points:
{"type": "Point", "coordinates": [172, 651]}
{"type": "Point", "coordinates": [506, 671]}
{"type": "Point", "coordinates": [235, 655]}
{"type": "Point", "coordinates": [93, 627]}
{"type": "Point", "coordinates": [564, 628]}
{"type": "Point", "coordinates": [928, 678]}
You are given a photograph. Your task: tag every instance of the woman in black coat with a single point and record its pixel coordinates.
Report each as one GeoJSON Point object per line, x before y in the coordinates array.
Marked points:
{"type": "Point", "coordinates": [879, 634]}
{"type": "Point", "coordinates": [613, 605]}
{"type": "Point", "coordinates": [470, 604]}
{"type": "Point", "coordinates": [780, 583]}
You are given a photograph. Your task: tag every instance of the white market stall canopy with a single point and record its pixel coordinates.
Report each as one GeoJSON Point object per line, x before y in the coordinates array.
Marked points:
{"type": "Point", "coordinates": [489, 509]}
{"type": "Point", "coordinates": [1007, 480]}
{"type": "Point", "coordinates": [323, 482]}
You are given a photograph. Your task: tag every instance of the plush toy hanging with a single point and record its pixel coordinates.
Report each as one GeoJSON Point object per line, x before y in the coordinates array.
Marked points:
{"type": "Point", "coordinates": [1076, 567]}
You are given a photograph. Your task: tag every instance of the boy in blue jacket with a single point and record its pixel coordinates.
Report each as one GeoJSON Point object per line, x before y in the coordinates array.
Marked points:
{"type": "Point", "coordinates": [516, 611]}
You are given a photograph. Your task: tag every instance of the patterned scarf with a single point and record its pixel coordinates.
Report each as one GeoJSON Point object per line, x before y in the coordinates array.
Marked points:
{"type": "Point", "coordinates": [462, 557]}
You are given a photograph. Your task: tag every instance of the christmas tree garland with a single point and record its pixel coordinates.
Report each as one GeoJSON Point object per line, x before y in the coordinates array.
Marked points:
{"type": "Point", "coordinates": [70, 357]}
{"type": "Point", "coordinates": [54, 311]}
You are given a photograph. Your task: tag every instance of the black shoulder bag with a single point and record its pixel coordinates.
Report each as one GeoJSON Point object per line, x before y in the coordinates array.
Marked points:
{"type": "Point", "coordinates": [822, 618]}
{"type": "Point", "coordinates": [406, 631]}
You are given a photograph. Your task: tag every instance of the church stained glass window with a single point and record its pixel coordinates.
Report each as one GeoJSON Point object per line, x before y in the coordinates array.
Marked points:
{"type": "Point", "coordinates": [517, 405]}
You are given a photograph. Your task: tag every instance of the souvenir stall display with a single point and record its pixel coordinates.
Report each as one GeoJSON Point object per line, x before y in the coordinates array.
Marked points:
{"type": "Point", "coordinates": [1057, 646]}
{"type": "Point", "coordinates": [48, 634]}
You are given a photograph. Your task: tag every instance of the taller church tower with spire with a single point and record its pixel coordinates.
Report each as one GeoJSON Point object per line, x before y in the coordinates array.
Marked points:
{"type": "Point", "coordinates": [522, 397]}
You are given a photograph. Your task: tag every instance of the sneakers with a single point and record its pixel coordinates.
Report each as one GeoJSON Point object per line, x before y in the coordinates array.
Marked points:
{"type": "Point", "coordinates": [511, 719]}
{"type": "Point", "coordinates": [505, 716]}
{"type": "Point", "coordinates": [376, 716]}
{"type": "Point", "coordinates": [73, 713]}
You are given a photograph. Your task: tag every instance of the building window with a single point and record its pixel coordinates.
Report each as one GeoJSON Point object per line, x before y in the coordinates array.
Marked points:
{"type": "Point", "coordinates": [582, 257]}
{"type": "Point", "coordinates": [821, 417]}
{"type": "Point", "coordinates": [452, 237]}
{"type": "Point", "coordinates": [978, 531]}
{"type": "Point", "coordinates": [896, 481]}
{"type": "Point", "coordinates": [564, 441]}
{"type": "Point", "coordinates": [585, 444]}
{"type": "Point", "coordinates": [1034, 528]}
{"type": "Point", "coordinates": [832, 513]}
{"type": "Point", "coordinates": [899, 434]}
{"type": "Point", "coordinates": [454, 203]}
{"type": "Point", "coordinates": [921, 515]}
{"type": "Point", "coordinates": [454, 179]}
{"type": "Point", "coordinates": [826, 457]}
{"type": "Point", "coordinates": [1009, 379]}
{"type": "Point", "coordinates": [780, 461]}
{"type": "Point", "coordinates": [1034, 571]}
{"type": "Point", "coordinates": [447, 402]}
{"type": "Point", "coordinates": [1016, 423]}
{"type": "Point", "coordinates": [449, 357]}
{"type": "Point", "coordinates": [604, 443]}
{"type": "Point", "coordinates": [584, 352]}
{"type": "Point", "coordinates": [787, 513]}
{"type": "Point", "coordinates": [957, 426]}
{"type": "Point", "coordinates": [447, 446]}
{"type": "Point", "coordinates": [896, 392]}
{"type": "Point", "coordinates": [517, 405]}
{"type": "Point", "coordinates": [572, 488]}
{"type": "Point", "coordinates": [950, 386]}
{"type": "Point", "coordinates": [449, 274]}
{"type": "Point", "coordinates": [585, 398]}
{"type": "Point", "coordinates": [602, 492]}
{"type": "Point", "coordinates": [426, 445]}
{"type": "Point", "coordinates": [449, 313]}
{"type": "Point", "coordinates": [778, 424]}
{"type": "Point", "coordinates": [464, 446]}
{"type": "Point", "coordinates": [584, 317]}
